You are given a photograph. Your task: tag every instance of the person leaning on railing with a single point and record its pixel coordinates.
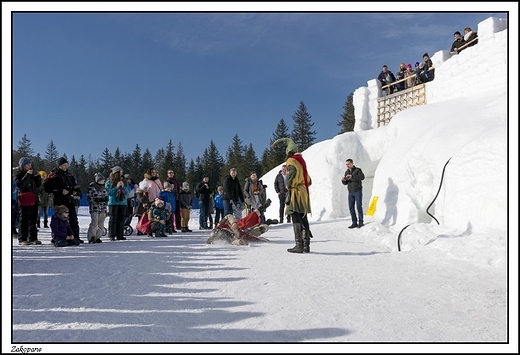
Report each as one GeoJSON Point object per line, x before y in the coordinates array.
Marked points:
{"type": "Point", "coordinates": [470, 37]}
{"type": "Point", "coordinates": [425, 72]}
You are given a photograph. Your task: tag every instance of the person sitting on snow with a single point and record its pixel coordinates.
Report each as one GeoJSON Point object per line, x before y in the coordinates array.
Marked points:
{"type": "Point", "coordinates": [61, 231]}
{"type": "Point", "coordinates": [243, 231]}
{"type": "Point", "coordinates": [159, 216]}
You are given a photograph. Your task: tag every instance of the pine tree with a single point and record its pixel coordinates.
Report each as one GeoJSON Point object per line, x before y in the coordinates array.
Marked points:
{"type": "Point", "coordinates": [275, 156]}
{"type": "Point", "coordinates": [92, 168]}
{"type": "Point", "coordinates": [179, 164]}
{"type": "Point", "coordinates": [197, 176]}
{"type": "Point", "coordinates": [147, 161]}
{"type": "Point", "coordinates": [51, 156]}
{"type": "Point", "coordinates": [212, 162]}
{"type": "Point", "coordinates": [118, 159]}
{"type": "Point", "coordinates": [265, 161]}
{"type": "Point", "coordinates": [301, 134]}
{"type": "Point", "coordinates": [234, 159]}
{"type": "Point", "coordinates": [251, 162]}
{"type": "Point", "coordinates": [158, 162]}
{"type": "Point", "coordinates": [106, 163]}
{"type": "Point", "coordinates": [24, 150]}
{"type": "Point", "coordinates": [136, 170]}
{"type": "Point", "coordinates": [80, 172]}
{"type": "Point", "coordinates": [190, 175]}
{"type": "Point", "coordinates": [348, 118]}
{"type": "Point", "coordinates": [167, 162]}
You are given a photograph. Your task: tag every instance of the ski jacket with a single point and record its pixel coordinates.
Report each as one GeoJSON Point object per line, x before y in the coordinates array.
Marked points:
{"type": "Point", "coordinates": [59, 180]}
{"type": "Point", "coordinates": [97, 198]}
{"type": "Point", "coordinates": [203, 191]}
{"type": "Point", "coordinates": [354, 183]}
{"type": "Point", "coordinates": [232, 190]}
{"type": "Point", "coordinates": [117, 195]}
{"type": "Point", "coordinates": [217, 200]}
{"type": "Point", "coordinates": [279, 184]}
{"type": "Point", "coordinates": [185, 199]}
{"type": "Point", "coordinates": [457, 44]}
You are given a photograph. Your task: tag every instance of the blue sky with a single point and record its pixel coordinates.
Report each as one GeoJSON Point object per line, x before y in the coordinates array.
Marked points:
{"type": "Point", "coordinates": [90, 81]}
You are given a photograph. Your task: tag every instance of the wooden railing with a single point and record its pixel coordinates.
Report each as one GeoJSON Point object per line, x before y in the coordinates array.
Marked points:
{"type": "Point", "coordinates": [389, 105]}
{"type": "Point", "coordinates": [404, 79]}
{"type": "Point", "coordinates": [464, 46]}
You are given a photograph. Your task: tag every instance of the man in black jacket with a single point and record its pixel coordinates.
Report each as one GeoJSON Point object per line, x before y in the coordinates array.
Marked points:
{"type": "Point", "coordinates": [352, 178]}
{"type": "Point", "coordinates": [459, 42]}
{"type": "Point", "coordinates": [386, 77]}
{"type": "Point", "coordinates": [233, 196]}
{"type": "Point", "coordinates": [66, 192]}
{"type": "Point", "coordinates": [204, 190]}
{"type": "Point", "coordinates": [280, 187]}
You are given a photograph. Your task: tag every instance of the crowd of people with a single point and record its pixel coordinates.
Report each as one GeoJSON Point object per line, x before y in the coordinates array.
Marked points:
{"type": "Point", "coordinates": [424, 71]}
{"type": "Point", "coordinates": [162, 206]}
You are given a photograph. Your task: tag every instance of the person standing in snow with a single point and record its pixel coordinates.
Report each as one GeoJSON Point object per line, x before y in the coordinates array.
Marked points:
{"type": "Point", "coordinates": [233, 196]}
{"type": "Point", "coordinates": [97, 198]}
{"type": "Point", "coordinates": [117, 192]}
{"type": "Point", "coordinates": [280, 186]}
{"type": "Point", "coordinates": [352, 178]}
{"type": "Point", "coordinates": [28, 182]}
{"type": "Point", "coordinates": [299, 203]}
{"type": "Point", "coordinates": [66, 191]}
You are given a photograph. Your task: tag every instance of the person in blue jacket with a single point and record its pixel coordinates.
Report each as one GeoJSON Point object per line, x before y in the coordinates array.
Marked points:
{"type": "Point", "coordinates": [117, 192]}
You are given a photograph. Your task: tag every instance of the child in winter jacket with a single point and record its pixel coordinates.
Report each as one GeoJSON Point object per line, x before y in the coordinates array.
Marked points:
{"type": "Point", "coordinates": [61, 231]}
{"type": "Point", "coordinates": [159, 217]}
{"type": "Point", "coordinates": [97, 198]}
{"type": "Point", "coordinates": [185, 201]}
{"type": "Point", "coordinates": [219, 205]}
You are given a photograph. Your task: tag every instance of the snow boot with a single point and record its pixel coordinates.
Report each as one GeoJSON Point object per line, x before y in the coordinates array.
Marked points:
{"type": "Point", "coordinates": [298, 248]}
{"type": "Point", "coordinates": [306, 241]}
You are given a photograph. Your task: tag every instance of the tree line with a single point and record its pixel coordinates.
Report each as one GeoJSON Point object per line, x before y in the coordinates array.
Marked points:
{"type": "Point", "coordinates": [238, 155]}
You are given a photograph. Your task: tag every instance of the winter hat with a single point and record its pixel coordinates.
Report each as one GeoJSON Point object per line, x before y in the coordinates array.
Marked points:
{"type": "Point", "coordinates": [457, 33]}
{"type": "Point", "coordinates": [409, 65]}
{"type": "Point", "coordinates": [62, 161]}
{"type": "Point", "coordinates": [24, 161]}
{"type": "Point", "coordinates": [143, 185]}
{"type": "Point", "coordinates": [116, 169]}
{"type": "Point", "coordinates": [416, 64]}
{"type": "Point", "coordinates": [291, 146]}
{"type": "Point", "coordinates": [42, 173]}
{"type": "Point", "coordinates": [98, 177]}
{"type": "Point", "coordinates": [185, 185]}
{"type": "Point", "coordinates": [60, 209]}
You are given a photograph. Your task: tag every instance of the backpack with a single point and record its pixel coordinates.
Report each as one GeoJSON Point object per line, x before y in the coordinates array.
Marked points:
{"type": "Point", "coordinates": [49, 182]}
